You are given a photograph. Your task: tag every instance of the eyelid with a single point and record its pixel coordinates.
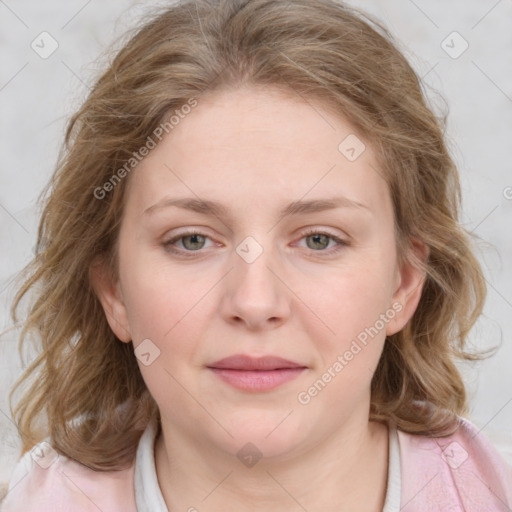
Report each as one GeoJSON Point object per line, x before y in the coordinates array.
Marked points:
{"type": "Point", "coordinates": [319, 231]}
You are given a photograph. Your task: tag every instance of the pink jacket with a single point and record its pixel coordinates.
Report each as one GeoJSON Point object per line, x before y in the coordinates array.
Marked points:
{"type": "Point", "coordinates": [459, 473]}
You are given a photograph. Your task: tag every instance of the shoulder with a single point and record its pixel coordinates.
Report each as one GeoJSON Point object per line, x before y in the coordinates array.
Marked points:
{"type": "Point", "coordinates": [43, 481]}
{"type": "Point", "coordinates": [463, 471]}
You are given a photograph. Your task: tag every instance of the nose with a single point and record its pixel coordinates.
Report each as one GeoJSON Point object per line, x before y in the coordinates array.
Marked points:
{"type": "Point", "coordinates": [255, 293]}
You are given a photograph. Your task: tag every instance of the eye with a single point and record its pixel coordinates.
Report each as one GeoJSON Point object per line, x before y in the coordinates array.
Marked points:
{"type": "Point", "coordinates": [192, 241]}
{"type": "Point", "coordinates": [317, 241]}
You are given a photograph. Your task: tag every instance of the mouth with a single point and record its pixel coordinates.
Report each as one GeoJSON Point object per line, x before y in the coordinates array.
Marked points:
{"type": "Point", "coordinates": [256, 374]}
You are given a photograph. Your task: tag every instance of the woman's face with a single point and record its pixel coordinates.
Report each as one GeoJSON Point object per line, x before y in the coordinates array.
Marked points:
{"type": "Point", "coordinates": [319, 286]}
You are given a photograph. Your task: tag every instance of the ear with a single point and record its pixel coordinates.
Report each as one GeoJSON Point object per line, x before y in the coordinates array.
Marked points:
{"type": "Point", "coordinates": [109, 294]}
{"type": "Point", "coordinates": [408, 287]}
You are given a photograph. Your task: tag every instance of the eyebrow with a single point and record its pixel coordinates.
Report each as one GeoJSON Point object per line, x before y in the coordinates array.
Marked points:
{"type": "Point", "coordinates": [219, 210]}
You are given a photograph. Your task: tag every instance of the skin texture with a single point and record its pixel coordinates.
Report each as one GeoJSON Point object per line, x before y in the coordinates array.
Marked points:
{"type": "Point", "coordinates": [255, 151]}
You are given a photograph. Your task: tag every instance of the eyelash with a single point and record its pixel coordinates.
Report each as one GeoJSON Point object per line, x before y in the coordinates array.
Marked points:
{"type": "Point", "coordinates": [168, 245]}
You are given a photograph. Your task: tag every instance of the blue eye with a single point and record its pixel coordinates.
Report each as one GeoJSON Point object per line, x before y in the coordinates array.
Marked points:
{"type": "Point", "coordinates": [193, 241]}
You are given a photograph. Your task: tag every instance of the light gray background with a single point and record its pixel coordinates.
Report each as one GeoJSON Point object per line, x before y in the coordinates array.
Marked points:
{"type": "Point", "coordinates": [38, 95]}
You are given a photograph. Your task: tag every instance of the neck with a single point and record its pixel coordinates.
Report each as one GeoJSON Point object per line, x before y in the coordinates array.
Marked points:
{"type": "Point", "coordinates": [347, 472]}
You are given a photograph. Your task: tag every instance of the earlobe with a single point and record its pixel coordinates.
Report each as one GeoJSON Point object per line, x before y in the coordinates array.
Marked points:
{"type": "Point", "coordinates": [110, 296]}
{"type": "Point", "coordinates": [411, 278]}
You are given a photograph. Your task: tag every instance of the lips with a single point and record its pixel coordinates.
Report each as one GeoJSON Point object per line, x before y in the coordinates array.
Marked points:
{"type": "Point", "coordinates": [247, 363]}
{"type": "Point", "coordinates": [256, 374]}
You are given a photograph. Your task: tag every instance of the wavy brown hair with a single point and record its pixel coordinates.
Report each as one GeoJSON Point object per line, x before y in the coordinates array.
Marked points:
{"type": "Point", "coordinates": [84, 388]}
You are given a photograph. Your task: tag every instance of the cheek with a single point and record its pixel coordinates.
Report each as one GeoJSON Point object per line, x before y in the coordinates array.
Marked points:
{"type": "Point", "coordinates": [164, 307]}
{"type": "Point", "coordinates": [356, 306]}
{"type": "Point", "coordinates": [157, 297]}
{"type": "Point", "coordinates": [354, 298]}
{"type": "Point", "coordinates": [347, 357]}
{"type": "Point", "coordinates": [170, 305]}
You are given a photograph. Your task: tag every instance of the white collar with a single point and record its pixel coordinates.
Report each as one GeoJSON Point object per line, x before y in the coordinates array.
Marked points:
{"type": "Point", "coordinates": [148, 496]}
{"type": "Point", "coordinates": [394, 487]}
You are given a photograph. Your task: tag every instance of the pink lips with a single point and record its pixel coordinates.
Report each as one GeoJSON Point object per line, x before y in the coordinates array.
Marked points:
{"type": "Point", "coordinates": [256, 374]}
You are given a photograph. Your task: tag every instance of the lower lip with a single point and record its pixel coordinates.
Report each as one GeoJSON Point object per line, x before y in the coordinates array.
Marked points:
{"type": "Point", "coordinates": [257, 380]}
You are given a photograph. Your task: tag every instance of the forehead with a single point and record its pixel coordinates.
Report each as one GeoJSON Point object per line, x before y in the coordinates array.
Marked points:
{"type": "Point", "coordinates": [260, 147]}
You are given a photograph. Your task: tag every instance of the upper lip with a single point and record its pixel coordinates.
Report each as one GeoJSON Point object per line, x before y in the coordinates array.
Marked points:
{"type": "Point", "coordinates": [245, 362]}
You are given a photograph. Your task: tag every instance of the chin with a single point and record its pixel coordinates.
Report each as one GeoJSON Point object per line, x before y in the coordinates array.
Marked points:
{"type": "Point", "coordinates": [264, 432]}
